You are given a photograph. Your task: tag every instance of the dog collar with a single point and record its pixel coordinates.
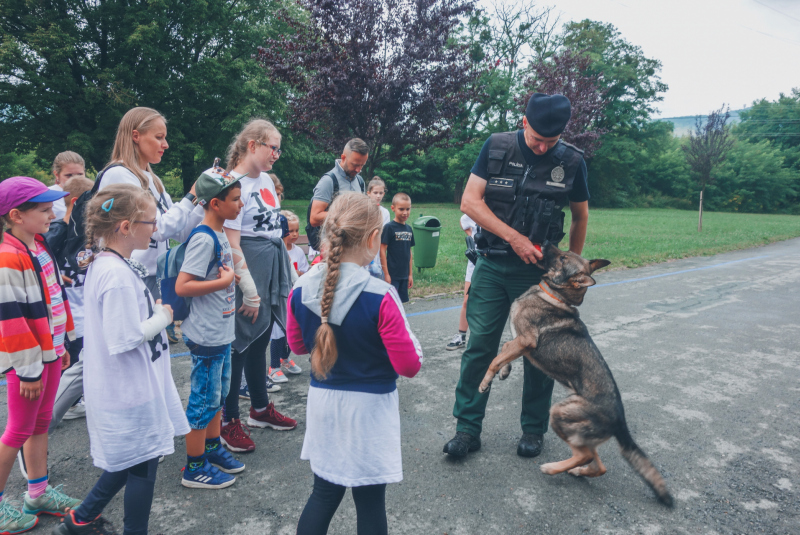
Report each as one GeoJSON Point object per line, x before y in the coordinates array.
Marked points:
{"type": "Point", "coordinates": [545, 289]}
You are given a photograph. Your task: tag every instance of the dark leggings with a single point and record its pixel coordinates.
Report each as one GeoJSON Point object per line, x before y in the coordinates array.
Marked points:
{"type": "Point", "coordinates": [278, 349]}
{"type": "Point", "coordinates": [139, 482]}
{"type": "Point", "coordinates": [370, 503]}
{"type": "Point", "coordinates": [253, 361]}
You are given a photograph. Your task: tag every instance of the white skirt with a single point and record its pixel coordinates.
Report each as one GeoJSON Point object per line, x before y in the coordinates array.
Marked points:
{"type": "Point", "coordinates": [353, 438]}
{"type": "Point", "coordinates": [470, 269]}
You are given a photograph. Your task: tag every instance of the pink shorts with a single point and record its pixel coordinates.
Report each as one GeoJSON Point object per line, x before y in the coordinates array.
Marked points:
{"type": "Point", "coordinates": [27, 418]}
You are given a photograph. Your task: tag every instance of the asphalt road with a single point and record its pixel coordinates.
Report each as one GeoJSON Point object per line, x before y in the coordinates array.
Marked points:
{"type": "Point", "coordinates": [705, 352]}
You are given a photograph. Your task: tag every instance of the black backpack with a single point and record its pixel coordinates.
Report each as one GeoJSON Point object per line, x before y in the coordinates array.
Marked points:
{"type": "Point", "coordinates": [313, 232]}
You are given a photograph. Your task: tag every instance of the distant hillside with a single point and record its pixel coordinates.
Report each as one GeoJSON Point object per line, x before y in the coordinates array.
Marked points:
{"type": "Point", "coordinates": [683, 125]}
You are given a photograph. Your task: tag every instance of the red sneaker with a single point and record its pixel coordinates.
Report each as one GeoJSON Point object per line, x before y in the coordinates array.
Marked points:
{"type": "Point", "coordinates": [236, 437]}
{"type": "Point", "coordinates": [269, 417]}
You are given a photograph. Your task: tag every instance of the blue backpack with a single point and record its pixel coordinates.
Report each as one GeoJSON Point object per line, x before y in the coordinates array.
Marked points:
{"type": "Point", "coordinates": [169, 265]}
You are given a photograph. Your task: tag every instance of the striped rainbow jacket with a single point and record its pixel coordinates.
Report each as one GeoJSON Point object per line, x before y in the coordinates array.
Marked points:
{"type": "Point", "coordinates": [26, 317]}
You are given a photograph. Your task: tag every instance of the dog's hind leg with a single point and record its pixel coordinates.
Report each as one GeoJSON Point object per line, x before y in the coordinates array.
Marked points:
{"type": "Point", "coordinates": [596, 468]}
{"type": "Point", "coordinates": [511, 351]}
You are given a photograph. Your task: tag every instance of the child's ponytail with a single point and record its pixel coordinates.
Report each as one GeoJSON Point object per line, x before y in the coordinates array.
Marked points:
{"type": "Point", "coordinates": [352, 218]}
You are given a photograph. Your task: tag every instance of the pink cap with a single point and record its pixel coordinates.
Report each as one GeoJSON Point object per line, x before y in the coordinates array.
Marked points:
{"type": "Point", "coordinates": [20, 189]}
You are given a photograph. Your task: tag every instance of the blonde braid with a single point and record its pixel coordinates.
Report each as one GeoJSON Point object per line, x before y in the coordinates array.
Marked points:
{"type": "Point", "coordinates": [352, 218]}
{"type": "Point", "coordinates": [325, 351]}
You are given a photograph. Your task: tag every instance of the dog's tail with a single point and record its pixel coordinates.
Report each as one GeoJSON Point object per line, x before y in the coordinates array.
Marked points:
{"type": "Point", "coordinates": [639, 461]}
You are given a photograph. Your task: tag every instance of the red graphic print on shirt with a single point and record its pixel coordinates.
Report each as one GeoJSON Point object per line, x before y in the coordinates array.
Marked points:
{"type": "Point", "coordinates": [267, 196]}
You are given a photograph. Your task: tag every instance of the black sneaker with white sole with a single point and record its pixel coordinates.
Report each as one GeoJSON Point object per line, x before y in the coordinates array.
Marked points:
{"type": "Point", "coordinates": [459, 341]}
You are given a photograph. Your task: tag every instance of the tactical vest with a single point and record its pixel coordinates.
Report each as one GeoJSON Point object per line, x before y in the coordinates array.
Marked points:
{"type": "Point", "coordinates": [528, 198]}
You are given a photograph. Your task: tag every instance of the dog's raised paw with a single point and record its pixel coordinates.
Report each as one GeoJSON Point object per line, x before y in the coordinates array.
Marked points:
{"type": "Point", "coordinates": [485, 387]}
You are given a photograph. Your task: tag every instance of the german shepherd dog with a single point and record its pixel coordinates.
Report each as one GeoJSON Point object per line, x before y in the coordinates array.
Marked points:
{"type": "Point", "coordinates": [548, 332]}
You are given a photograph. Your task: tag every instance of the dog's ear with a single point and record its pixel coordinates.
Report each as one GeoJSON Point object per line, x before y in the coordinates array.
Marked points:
{"type": "Point", "coordinates": [598, 263]}
{"type": "Point", "coordinates": [583, 281]}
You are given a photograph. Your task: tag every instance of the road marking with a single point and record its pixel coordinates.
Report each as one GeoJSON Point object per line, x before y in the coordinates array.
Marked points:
{"type": "Point", "coordinates": [422, 313]}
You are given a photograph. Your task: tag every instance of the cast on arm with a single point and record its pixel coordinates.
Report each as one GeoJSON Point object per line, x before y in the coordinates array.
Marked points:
{"type": "Point", "coordinates": [250, 296]}
{"type": "Point", "coordinates": [405, 351]}
{"type": "Point", "coordinates": [123, 327]}
{"type": "Point", "coordinates": [161, 318]}
{"type": "Point", "coordinates": [294, 336]}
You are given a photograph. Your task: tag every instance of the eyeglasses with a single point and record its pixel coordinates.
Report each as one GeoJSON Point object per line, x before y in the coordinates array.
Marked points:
{"type": "Point", "coordinates": [146, 222]}
{"type": "Point", "coordinates": [276, 150]}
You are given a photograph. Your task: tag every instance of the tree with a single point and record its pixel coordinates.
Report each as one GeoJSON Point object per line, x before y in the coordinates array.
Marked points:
{"type": "Point", "coordinates": [708, 146]}
{"type": "Point", "coordinates": [565, 73]}
{"type": "Point", "coordinates": [630, 79]}
{"type": "Point", "coordinates": [69, 70]}
{"type": "Point", "coordinates": [778, 122]}
{"type": "Point", "coordinates": [386, 71]}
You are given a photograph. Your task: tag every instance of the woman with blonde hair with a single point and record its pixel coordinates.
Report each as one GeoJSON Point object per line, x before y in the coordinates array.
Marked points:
{"type": "Point", "coordinates": [141, 142]}
{"type": "Point", "coordinates": [262, 264]}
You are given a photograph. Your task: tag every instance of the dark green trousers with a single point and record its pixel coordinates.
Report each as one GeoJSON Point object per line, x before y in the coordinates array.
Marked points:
{"type": "Point", "coordinates": [496, 283]}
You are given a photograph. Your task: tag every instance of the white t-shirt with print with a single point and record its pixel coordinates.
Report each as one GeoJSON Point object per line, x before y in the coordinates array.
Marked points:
{"type": "Point", "coordinates": [259, 215]}
{"type": "Point", "coordinates": [133, 409]}
{"type": "Point", "coordinates": [297, 256]}
{"type": "Point", "coordinates": [174, 221]}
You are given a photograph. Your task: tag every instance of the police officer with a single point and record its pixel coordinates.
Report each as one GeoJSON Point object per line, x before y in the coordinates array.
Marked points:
{"type": "Point", "coordinates": [516, 192]}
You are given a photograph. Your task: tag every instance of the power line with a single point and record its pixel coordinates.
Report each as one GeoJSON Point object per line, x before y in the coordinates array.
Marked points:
{"type": "Point", "coordinates": [777, 10]}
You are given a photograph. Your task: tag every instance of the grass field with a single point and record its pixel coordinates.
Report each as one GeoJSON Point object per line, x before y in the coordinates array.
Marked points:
{"type": "Point", "coordinates": [629, 238]}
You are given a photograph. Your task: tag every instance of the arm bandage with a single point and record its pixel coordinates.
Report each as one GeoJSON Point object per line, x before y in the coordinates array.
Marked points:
{"type": "Point", "coordinates": [246, 282]}
{"type": "Point", "coordinates": [156, 323]}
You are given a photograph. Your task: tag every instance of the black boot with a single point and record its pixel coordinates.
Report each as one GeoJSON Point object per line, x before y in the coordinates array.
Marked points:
{"type": "Point", "coordinates": [461, 444]}
{"type": "Point", "coordinates": [530, 445]}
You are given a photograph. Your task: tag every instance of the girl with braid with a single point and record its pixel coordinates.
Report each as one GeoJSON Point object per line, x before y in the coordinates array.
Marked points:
{"type": "Point", "coordinates": [356, 330]}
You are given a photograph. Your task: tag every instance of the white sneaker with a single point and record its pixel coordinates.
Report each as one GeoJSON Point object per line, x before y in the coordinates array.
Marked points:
{"type": "Point", "coordinates": [76, 411]}
{"type": "Point", "coordinates": [277, 376]}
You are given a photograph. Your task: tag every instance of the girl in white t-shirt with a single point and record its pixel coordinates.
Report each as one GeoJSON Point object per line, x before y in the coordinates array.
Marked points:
{"type": "Point", "coordinates": [141, 142]}
{"type": "Point", "coordinates": [460, 340]}
{"type": "Point", "coordinates": [376, 189]}
{"type": "Point", "coordinates": [258, 255]}
{"type": "Point", "coordinates": [132, 406]}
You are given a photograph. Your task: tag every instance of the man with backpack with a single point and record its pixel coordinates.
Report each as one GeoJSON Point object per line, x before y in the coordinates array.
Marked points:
{"type": "Point", "coordinates": [343, 177]}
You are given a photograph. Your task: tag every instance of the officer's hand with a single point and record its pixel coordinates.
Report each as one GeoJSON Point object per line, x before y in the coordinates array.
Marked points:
{"type": "Point", "coordinates": [525, 249]}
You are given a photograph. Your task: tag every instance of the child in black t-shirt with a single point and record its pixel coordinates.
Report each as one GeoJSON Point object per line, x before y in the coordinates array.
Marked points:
{"type": "Point", "coordinates": [397, 240]}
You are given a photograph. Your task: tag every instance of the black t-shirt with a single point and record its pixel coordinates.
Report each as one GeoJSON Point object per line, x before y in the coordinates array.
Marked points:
{"type": "Point", "coordinates": [580, 187]}
{"type": "Point", "coordinates": [399, 240]}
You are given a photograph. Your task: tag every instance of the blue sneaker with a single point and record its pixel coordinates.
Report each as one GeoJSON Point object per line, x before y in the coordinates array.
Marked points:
{"type": "Point", "coordinates": [224, 460]}
{"type": "Point", "coordinates": [244, 392]}
{"type": "Point", "coordinates": [206, 477]}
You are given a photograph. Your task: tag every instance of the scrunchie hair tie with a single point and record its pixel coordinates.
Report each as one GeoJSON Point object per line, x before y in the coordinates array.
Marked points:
{"type": "Point", "coordinates": [324, 319]}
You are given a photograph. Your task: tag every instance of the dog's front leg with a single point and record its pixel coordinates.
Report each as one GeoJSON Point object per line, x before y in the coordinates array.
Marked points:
{"type": "Point", "coordinates": [511, 351]}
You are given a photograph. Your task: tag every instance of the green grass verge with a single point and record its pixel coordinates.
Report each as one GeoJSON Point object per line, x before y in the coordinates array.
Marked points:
{"type": "Point", "coordinates": [629, 238]}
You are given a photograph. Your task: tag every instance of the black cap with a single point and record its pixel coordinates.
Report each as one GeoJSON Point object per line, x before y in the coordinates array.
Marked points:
{"type": "Point", "coordinates": [548, 114]}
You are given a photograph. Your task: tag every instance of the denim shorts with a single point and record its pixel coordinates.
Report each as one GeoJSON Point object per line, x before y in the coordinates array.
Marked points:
{"type": "Point", "coordinates": [211, 381]}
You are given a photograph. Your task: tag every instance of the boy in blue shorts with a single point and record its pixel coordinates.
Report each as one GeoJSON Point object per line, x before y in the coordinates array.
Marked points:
{"type": "Point", "coordinates": [208, 332]}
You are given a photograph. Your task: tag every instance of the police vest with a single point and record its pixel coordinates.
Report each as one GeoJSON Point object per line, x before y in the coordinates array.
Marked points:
{"type": "Point", "coordinates": [528, 198]}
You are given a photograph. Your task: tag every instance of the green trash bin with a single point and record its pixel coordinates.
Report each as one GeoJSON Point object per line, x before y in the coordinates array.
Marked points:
{"type": "Point", "coordinates": [426, 241]}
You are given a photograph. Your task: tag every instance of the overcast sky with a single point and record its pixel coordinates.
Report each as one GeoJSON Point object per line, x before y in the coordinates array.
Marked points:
{"type": "Point", "coordinates": [712, 51]}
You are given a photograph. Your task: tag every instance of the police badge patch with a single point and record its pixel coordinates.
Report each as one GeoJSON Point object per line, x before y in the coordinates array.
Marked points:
{"type": "Point", "coordinates": [557, 174]}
